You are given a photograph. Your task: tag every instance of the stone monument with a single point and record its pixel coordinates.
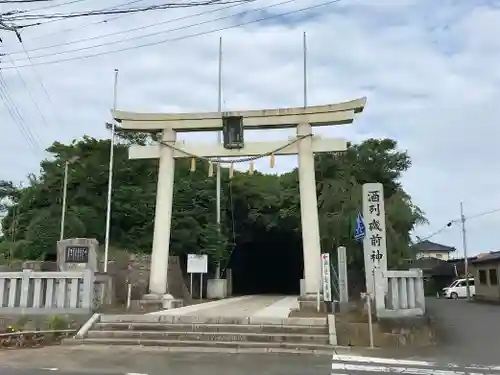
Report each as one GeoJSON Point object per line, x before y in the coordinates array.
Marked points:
{"type": "Point", "coordinates": [77, 254]}
{"type": "Point", "coordinates": [343, 282]}
{"type": "Point", "coordinates": [374, 243]}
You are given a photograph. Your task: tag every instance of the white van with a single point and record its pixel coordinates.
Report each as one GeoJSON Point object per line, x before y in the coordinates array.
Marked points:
{"type": "Point", "coordinates": [458, 289]}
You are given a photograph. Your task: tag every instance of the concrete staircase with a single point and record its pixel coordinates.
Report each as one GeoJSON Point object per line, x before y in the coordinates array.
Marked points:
{"type": "Point", "coordinates": [210, 334]}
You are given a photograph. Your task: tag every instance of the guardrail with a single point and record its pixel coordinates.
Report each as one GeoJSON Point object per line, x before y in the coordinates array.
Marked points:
{"type": "Point", "coordinates": [30, 292]}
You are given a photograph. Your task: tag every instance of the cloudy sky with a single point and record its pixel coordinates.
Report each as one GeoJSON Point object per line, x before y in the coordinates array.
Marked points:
{"type": "Point", "coordinates": [429, 69]}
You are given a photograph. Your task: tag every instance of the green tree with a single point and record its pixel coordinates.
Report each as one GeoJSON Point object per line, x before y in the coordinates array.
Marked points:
{"type": "Point", "coordinates": [44, 231]}
{"type": "Point", "coordinates": [214, 243]}
{"type": "Point", "coordinates": [253, 206]}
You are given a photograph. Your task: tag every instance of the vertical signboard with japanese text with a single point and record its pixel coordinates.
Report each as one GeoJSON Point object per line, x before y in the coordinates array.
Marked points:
{"type": "Point", "coordinates": [326, 277]}
{"type": "Point", "coordinates": [374, 243]}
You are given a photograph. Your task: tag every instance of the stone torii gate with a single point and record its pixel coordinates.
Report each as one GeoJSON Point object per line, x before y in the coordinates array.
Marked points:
{"type": "Point", "coordinates": [305, 145]}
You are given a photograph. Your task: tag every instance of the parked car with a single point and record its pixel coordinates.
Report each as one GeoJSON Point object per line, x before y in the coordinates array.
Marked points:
{"type": "Point", "coordinates": [458, 289]}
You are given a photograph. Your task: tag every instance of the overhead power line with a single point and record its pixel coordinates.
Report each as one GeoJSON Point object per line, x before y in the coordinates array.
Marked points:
{"type": "Point", "coordinates": [32, 97]}
{"type": "Point", "coordinates": [67, 3]}
{"type": "Point", "coordinates": [30, 136]}
{"type": "Point", "coordinates": [51, 6]}
{"type": "Point", "coordinates": [482, 214]}
{"type": "Point", "coordinates": [146, 27]}
{"type": "Point", "coordinates": [79, 27]}
{"type": "Point", "coordinates": [107, 11]}
{"type": "Point", "coordinates": [160, 32]}
{"type": "Point", "coordinates": [274, 16]}
{"type": "Point", "coordinates": [454, 221]}
{"type": "Point", "coordinates": [23, 1]}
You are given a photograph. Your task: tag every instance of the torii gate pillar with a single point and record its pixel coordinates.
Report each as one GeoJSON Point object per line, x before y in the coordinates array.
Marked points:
{"type": "Point", "coordinates": [309, 212]}
{"type": "Point", "coordinates": [163, 217]}
{"type": "Point", "coordinates": [305, 145]}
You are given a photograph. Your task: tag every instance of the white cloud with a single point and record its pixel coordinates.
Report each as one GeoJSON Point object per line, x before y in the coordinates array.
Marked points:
{"type": "Point", "coordinates": [429, 69]}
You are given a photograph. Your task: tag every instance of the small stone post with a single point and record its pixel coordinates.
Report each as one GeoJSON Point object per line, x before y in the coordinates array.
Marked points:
{"type": "Point", "coordinates": [343, 285]}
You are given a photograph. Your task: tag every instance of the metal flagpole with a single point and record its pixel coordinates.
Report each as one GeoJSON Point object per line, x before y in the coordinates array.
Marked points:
{"type": "Point", "coordinates": [219, 140]}
{"type": "Point", "coordinates": [110, 177]}
{"type": "Point", "coordinates": [305, 68]}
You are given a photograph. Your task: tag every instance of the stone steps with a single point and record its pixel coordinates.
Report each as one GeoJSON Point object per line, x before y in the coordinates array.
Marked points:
{"type": "Point", "coordinates": [210, 336]}
{"type": "Point", "coordinates": [235, 328]}
{"type": "Point", "coordinates": [193, 319]}
{"type": "Point", "coordinates": [208, 333]}
{"type": "Point", "coordinates": [287, 346]}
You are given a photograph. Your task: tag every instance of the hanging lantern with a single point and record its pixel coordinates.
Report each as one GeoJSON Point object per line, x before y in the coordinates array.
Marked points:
{"type": "Point", "coordinates": [210, 169]}
{"type": "Point", "coordinates": [272, 161]}
{"type": "Point", "coordinates": [193, 164]}
{"type": "Point", "coordinates": [251, 169]}
{"type": "Point", "coordinates": [231, 170]}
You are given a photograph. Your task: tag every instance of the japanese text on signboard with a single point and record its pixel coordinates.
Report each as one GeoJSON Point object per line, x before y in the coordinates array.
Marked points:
{"type": "Point", "coordinates": [77, 254]}
{"type": "Point", "coordinates": [325, 271]}
{"type": "Point", "coordinates": [374, 224]}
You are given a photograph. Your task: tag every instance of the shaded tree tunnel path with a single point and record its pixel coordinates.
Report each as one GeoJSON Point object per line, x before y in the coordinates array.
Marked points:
{"type": "Point", "coordinates": [271, 264]}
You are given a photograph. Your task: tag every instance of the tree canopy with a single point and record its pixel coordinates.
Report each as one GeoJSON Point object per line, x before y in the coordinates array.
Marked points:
{"type": "Point", "coordinates": [251, 203]}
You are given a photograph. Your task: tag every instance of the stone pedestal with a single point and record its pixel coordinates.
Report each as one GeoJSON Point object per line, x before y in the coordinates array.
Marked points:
{"type": "Point", "coordinates": [216, 288]}
{"type": "Point", "coordinates": [309, 302]}
{"type": "Point", "coordinates": [229, 282]}
{"type": "Point", "coordinates": [104, 288]}
{"type": "Point", "coordinates": [148, 306]}
{"type": "Point", "coordinates": [302, 284]}
{"type": "Point", "coordinates": [160, 302]}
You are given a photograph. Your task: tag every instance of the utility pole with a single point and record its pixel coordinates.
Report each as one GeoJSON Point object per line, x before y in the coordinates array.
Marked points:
{"type": "Point", "coordinates": [13, 231]}
{"type": "Point", "coordinates": [15, 222]}
{"type": "Point", "coordinates": [65, 194]}
{"type": "Point", "coordinates": [464, 244]}
{"type": "Point", "coordinates": [219, 140]}
{"type": "Point", "coordinates": [110, 178]}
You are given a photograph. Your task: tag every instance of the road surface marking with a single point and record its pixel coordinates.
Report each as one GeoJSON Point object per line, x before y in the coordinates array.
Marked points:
{"type": "Point", "coordinates": [479, 367]}
{"type": "Point", "coordinates": [50, 368]}
{"type": "Point", "coordinates": [399, 370]}
{"type": "Point", "coordinates": [469, 369]}
{"type": "Point", "coordinates": [387, 361]}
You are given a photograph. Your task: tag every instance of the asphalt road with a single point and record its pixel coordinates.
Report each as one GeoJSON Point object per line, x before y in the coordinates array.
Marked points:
{"type": "Point", "coordinates": [469, 332]}
{"type": "Point", "coordinates": [14, 371]}
{"type": "Point", "coordinates": [122, 361]}
{"type": "Point", "coordinates": [90, 360]}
